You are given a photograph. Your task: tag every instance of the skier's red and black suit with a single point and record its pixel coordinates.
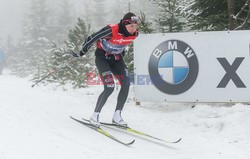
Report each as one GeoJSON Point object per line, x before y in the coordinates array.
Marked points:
{"type": "Point", "coordinates": [111, 42]}
{"type": "Point", "coordinates": [116, 43]}
{"type": "Point", "coordinates": [111, 39]}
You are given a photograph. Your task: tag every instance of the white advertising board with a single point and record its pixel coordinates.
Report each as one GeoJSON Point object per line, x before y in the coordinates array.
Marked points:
{"type": "Point", "coordinates": [193, 67]}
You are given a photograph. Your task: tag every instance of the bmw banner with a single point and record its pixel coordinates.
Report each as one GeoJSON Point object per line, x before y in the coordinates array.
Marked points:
{"type": "Point", "coordinates": [193, 67]}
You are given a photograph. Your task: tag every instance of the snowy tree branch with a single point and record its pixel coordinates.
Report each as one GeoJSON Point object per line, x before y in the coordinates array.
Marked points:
{"type": "Point", "coordinates": [246, 20]}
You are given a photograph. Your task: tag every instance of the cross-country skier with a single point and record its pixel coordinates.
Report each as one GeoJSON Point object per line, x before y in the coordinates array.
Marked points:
{"type": "Point", "coordinates": [111, 42]}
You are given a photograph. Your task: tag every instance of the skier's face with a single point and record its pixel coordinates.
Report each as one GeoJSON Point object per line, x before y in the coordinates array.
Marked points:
{"type": "Point", "coordinates": [131, 28]}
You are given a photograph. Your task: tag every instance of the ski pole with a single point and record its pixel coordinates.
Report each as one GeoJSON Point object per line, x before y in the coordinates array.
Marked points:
{"type": "Point", "coordinates": [51, 72]}
{"type": "Point", "coordinates": [87, 75]}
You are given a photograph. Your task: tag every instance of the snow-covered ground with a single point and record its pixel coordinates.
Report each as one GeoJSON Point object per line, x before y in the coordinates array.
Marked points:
{"type": "Point", "coordinates": [35, 124]}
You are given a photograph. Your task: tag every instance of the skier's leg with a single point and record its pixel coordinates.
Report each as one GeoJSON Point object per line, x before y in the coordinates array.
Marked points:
{"type": "Point", "coordinates": [121, 73]}
{"type": "Point", "coordinates": [108, 81]}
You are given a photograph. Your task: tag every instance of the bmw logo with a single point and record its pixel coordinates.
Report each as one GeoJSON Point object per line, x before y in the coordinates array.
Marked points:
{"type": "Point", "coordinates": [173, 67]}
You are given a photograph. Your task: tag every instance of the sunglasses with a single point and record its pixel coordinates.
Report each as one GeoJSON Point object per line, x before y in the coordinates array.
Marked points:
{"type": "Point", "coordinates": [133, 19]}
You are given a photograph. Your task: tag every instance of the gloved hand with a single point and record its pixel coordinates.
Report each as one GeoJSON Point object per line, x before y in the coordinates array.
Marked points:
{"type": "Point", "coordinates": [75, 54]}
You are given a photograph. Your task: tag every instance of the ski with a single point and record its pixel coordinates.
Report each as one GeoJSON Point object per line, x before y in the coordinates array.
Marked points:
{"type": "Point", "coordinates": [135, 131]}
{"type": "Point", "coordinates": [100, 130]}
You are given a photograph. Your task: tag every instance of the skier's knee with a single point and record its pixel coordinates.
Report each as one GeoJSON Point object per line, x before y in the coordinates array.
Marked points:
{"type": "Point", "coordinates": [108, 79]}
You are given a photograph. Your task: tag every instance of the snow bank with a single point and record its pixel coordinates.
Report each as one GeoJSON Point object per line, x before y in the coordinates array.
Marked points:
{"type": "Point", "coordinates": [35, 124]}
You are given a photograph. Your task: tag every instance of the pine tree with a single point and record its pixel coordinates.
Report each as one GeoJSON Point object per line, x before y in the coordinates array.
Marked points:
{"type": "Point", "coordinates": [145, 25]}
{"type": "Point", "coordinates": [169, 19]}
{"type": "Point", "coordinates": [213, 14]}
{"type": "Point", "coordinates": [10, 50]}
{"type": "Point", "coordinates": [77, 71]}
{"type": "Point", "coordinates": [33, 46]}
{"type": "Point", "coordinates": [241, 16]}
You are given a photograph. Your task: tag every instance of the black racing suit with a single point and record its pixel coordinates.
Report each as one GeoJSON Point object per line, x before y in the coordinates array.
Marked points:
{"type": "Point", "coordinates": [110, 65]}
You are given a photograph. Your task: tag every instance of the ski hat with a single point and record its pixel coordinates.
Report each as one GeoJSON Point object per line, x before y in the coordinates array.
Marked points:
{"type": "Point", "coordinates": [130, 18]}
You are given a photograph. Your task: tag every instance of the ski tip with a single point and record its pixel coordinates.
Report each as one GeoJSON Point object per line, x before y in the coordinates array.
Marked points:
{"type": "Point", "coordinates": [177, 140]}
{"type": "Point", "coordinates": [73, 118]}
{"type": "Point", "coordinates": [130, 143]}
